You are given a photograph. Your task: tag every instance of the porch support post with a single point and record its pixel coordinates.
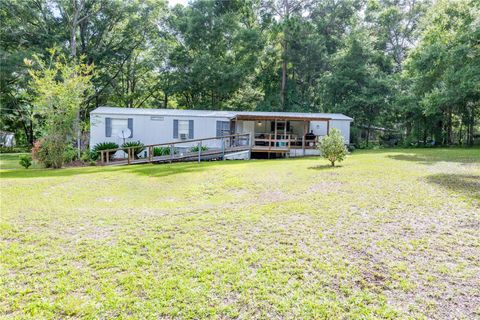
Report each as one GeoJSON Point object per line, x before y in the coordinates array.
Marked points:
{"type": "Point", "coordinates": [275, 138]}
{"type": "Point", "coordinates": [303, 137]}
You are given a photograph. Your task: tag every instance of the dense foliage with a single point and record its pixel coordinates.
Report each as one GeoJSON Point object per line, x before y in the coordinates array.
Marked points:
{"type": "Point", "coordinates": [411, 67]}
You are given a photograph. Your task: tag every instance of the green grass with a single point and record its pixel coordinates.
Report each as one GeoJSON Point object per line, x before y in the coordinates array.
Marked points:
{"type": "Point", "coordinates": [11, 161]}
{"type": "Point", "coordinates": [389, 234]}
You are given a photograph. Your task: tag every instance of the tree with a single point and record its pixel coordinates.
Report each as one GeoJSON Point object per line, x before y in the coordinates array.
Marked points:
{"type": "Point", "coordinates": [60, 87]}
{"type": "Point", "coordinates": [444, 70]}
{"type": "Point", "coordinates": [215, 53]}
{"type": "Point", "coordinates": [359, 83]}
{"type": "Point", "coordinates": [332, 147]}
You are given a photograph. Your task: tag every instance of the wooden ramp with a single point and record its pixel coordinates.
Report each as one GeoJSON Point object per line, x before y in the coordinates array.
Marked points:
{"type": "Point", "coordinates": [184, 150]}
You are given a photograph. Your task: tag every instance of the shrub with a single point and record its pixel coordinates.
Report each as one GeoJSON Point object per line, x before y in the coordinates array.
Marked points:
{"type": "Point", "coordinates": [136, 151]}
{"type": "Point", "coordinates": [195, 148]}
{"type": "Point", "coordinates": [50, 151]}
{"type": "Point", "coordinates": [88, 157]}
{"type": "Point", "coordinates": [25, 161]}
{"type": "Point", "coordinates": [103, 146]}
{"type": "Point", "coordinates": [332, 147]}
{"type": "Point", "coordinates": [162, 151]}
{"type": "Point", "coordinates": [70, 154]}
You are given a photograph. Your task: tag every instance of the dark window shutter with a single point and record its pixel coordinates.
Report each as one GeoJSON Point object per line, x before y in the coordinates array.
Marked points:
{"type": "Point", "coordinates": [130, 126]}
{"type": "Point", "coordinates": [175, 129]}
{"type": "Point", "coordinates": [190, 129]}
{"type": "Point", "coordinates": [108, 127]}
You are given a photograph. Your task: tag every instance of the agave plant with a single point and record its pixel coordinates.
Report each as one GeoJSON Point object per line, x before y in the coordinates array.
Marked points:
{"type": "Point", "coordinates": [195, 148]}
{"type": "Point", "coordinates": [138, 147]}
{"type": "Point", "coordinates": [103, 146]}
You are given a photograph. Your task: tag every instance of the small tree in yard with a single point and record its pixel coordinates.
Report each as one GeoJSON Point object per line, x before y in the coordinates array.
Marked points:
{"type": "Point", "coordinates": [60, 87]}
{"type": "Point", "coordinates": [25, 161]}
{"type": "Point", "coordinates": [332, 147]}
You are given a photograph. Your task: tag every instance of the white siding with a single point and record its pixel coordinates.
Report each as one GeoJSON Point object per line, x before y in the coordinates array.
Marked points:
{"type": "Point", "coordinates": [150, 131]}
{"type": "Point", "coordinates": [343, 126]}
{"type": "Point", "coordinates": [320, 128]}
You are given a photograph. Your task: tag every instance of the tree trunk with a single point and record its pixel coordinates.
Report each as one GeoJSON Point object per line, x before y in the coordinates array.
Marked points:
{"type": "Point", "coordinates": [368, 134]}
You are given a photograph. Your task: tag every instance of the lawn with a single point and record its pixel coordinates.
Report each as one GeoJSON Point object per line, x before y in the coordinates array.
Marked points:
{"type": "Point", "coordinates": [389, 234]}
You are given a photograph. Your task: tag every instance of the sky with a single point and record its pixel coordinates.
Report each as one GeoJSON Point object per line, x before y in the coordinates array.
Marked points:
{"type": "Point", "coordinates": [174, 2]}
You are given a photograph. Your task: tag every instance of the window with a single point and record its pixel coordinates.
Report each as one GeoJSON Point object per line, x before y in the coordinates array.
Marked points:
{"type": "Point", "coordinates": [118, 125]}
{"type": "Point", "coordinates": [223, 128]}
{"type": "Point", "coordinates": [183, 127]}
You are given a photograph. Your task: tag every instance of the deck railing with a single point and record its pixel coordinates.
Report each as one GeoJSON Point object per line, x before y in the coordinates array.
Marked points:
{"type": "Point", "coordinates": [271, 141]}
{"type": "Point", "coordinates": [227, 143]}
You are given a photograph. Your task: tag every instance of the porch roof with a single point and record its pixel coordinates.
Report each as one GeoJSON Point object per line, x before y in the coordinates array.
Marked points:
{"type": "Point", "coordinates": [280, 117]}
{"type": "Point", "coordinates": [300, 116]}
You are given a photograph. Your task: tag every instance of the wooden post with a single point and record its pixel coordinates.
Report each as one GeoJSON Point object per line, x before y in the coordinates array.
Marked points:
{"type": "Point", "coordinates": [150, 153]}
{"type": "Point", "coordinates": [223, 148]}
{"type": "Point", "coordinates": [199, 151]}
{"type": "Point", "coordinates": [275, 139]}
{"type": "Point", "coordinates": [305, 131]}
{"type": "Point", "coordinates": [303, 144]}
{"type": "Point", "coordinates": [172, 151]}
{"type": "Point", "coordinates": [101, 157]}
{"type": "Point", "coordinates": [128, 155]}
{"type": "Point", "coordinates": [251, 145]}
{"type": "Point", "coordinates": [108, 156]}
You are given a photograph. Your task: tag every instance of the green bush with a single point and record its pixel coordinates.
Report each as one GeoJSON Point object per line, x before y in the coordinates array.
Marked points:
{"type": "Point", "coordinates": [25, 161]}
{"type": "Point", "coordinates": [50, 151]}
{"type": "Point", "coordinates": [162, 151]}
{"type": "Point", "coordinates": [70, 154]}
{"type": "Point", "coordinates": [95, 154]}
{"type": "Point", "coordinates": [195, 148]}
{"type": "Point", "coordinates": [332, 147]}
{"type": "Point", "coordinates": [86, 156]}
{"type": "Point", "coordinates": [136, 151]}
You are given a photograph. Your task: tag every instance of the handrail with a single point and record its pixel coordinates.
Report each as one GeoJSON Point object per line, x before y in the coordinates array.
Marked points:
{"type": "Point", "coordinates": [104, 154]}
{"type": "Point", "coordinates": [176, 142]}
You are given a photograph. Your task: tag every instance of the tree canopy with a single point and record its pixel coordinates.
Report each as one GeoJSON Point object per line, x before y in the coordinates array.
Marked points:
{"type": "Point", "coordinates": [409, 66]}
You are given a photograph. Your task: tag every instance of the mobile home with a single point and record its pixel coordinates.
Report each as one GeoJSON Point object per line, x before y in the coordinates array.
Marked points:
{"type": "Point", "coordinates": [284, 133]}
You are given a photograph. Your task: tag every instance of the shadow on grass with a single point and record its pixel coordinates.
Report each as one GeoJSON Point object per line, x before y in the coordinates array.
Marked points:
{"type": "Point", "coordinates": [467, 184]}
{"type": "Point", "coordinates": [324, 167]}
{"type": "Point", "coordinates": [432, 155]}
{"type": "Point", "coordinates": [152, 170]}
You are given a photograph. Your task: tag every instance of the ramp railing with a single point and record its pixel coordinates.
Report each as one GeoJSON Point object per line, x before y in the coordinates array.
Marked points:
{"type": "Point", "coordinates": [178, 150]}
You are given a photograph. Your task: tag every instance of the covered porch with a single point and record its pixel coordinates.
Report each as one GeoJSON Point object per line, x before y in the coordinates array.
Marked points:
{"type": "Point", "coordinates": [284, 135]}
